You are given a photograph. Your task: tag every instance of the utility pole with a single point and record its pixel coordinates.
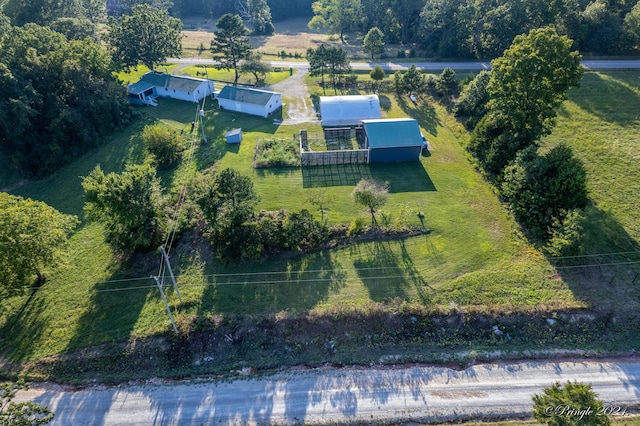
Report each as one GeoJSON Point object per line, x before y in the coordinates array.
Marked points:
{"type": "Point", "coordinates": [166, 304]}
{"type": "Point", "coordinates": [173, 278]}
{"type": "Point", "coordinates": [204, 137]}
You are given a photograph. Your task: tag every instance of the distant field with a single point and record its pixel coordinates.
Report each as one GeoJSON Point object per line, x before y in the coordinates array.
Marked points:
{"type": "Point", "coordinates": [292, 36]}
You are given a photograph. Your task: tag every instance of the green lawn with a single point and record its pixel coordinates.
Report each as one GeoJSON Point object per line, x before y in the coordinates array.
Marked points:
{"type": "Point", "coordinates": [474, 256]}
{"type": "Point", "coordinates": [213, 73]}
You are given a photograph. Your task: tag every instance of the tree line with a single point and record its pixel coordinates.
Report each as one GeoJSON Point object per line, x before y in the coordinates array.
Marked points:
{"type": "Point", "coordinates": [485, 28]}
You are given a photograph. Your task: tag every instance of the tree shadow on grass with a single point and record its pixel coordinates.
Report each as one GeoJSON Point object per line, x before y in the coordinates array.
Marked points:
{"type": "Point", "coordinates": [423, 112]}
{"type": "Point", "coordinates": [112, 312]}
{"type": "Point", "coordinates": [607, 275]}
{"type": "Point", "coordinates": [409, 176]}
{"type": "Point", "coordinates": [604, 94]}
{"type": "Point", "coordinates": [294, 285]}
{"type": "Point", "coordinates": [387, 276]}
{"type": "Point", "coordinates": [24, 327]}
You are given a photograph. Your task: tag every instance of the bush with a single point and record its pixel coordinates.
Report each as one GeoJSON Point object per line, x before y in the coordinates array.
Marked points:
{"type": "Point", "coordinates": [540, 188]}
{"type": "Point", "coordinates": [277, 153]}
{"type": "Point", "coordinates": [572, 404]}
{"type": "Point", "coordinates": [356, 226]}
{"type": "Point", "coordinates": [566, 234]}
{"type": "Point", "coordinates": [164, 143]}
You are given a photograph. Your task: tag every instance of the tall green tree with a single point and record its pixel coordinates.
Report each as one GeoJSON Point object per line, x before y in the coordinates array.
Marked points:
{"type": "Point", "coordinates": [255, 65]}
{"type": "Point", "coordinates": [260, 15]}
{"type": "Point", "coordinates": [228, 199]}
{"type": "Point", "coordinates": [230, 44]}
{"type": "Point", "coordinates": [60, 98]}
{"type": "Point", "coordinates": [128, 205]}
{"type": "Point", "coordinates": [42, 12]}
{"type": "Point", "coordinates": [75, 28]}
{"type": "Point", "coordinates": [373, 42]}
{"type": "Point", "coordinates": [337, 63]}
{"type": "Point", "coordinates": [557, 405]}
{"type": "Point", "coordinates": [148, 36]}
{"type": "Point", "coordinates": [337, 16]}
{"type": "Point", "coordinates": [527, 84]}
{"type": "Point", "coordinates": [31, 233]}
{"type": "Point", "coordinates": [318, 63]}
{"type": "Point", "coordinates": [21, 413]}
{"type": "Point", "coordinates": [372, 194]}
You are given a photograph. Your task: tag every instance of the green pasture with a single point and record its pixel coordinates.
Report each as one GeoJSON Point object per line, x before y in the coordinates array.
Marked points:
{"type": "Point", "coordinates": [213, 73]}
{"type": "Point", "coordinates": [472, 255]}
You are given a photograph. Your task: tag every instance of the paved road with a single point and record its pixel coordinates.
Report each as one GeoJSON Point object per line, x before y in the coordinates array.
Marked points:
{"type": "Point", "coordinates": [341, 395]}
{"type": "Point", "coordinates": [470, 66]}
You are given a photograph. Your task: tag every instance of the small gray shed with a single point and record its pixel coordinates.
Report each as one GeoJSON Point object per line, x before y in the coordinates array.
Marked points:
{"type": "Point", "coordinates": [234, 136]}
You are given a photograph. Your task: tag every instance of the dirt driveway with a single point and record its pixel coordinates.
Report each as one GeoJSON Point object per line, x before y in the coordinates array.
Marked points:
{"type": "Point", "coordinates": [301, 108]}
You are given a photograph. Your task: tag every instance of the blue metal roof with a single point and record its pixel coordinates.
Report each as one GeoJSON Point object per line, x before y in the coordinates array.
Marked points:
{"type": "Point", "coordinates": [139, 87]}
{"type": "Point", "coordinates": [386, 133]}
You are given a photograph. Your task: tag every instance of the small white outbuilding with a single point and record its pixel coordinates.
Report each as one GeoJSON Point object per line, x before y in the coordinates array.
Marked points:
{"type": "Point", "coordinates": [349, 110]}
{"type": "Point", "coordinates": [249, 101]}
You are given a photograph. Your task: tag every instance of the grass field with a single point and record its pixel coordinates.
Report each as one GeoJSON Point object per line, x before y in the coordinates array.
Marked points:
{"type": "Point", "coordinates": [473, 258]}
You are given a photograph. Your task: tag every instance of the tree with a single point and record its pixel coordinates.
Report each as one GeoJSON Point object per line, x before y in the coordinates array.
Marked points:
{"type": "Point", "coordinates": [412, 81]}
{"type": "Point", "coordinates": [372, 194]}
{"type": "Point", "coordinates": [75, 28]}
{"type": "Point", "coordinates": [230, 41]}
{"type": "Point", "coordinates": [320, 199]}
{"type": "Point", "coordinates": [127, 204]}
{"type": "Point", "coordinates": [41, 12]}
{"type": "Point", "coordinates": [572, 404]}
{"type": "Point", "coordinates": [338, 16]}
{"type": "Point", "coordinates": [31, 233]}
{"type": "Point", "coordinates": [447, 84]}
{"type": "Point", "coordinates": [227, 202]}
{"type": "Point", "coordinates": [22, 413]}
{"type": "Point", "coordinates": [337, 63]}
{"type": "Point", "coordinates": [59, 98]}
{"type": "Point", "coordinates": [531, 80]}
{"type": "Point", "coordinates": [228, 198]}
{"type": "Point", "coordinates": [377, 74]}
{"type": "Point", "coordinates": [472, 103]}
{"type": "Point", "coordinates": [260, 15]}
{"type": "Point", "coordinates": [373, 42]}
{"type": "Point", "coordinates": [540, 188]}
{"type": "Point", "coordinates": [255, 65]}
{"type": "Point", "coordinates": [527, 84]}
{"type": "Point", "coordinates": [164, 143]}
{"type": "Point", "coordinates": [318, 62]}
{"type": "Point", "coordinates": [147, 36]}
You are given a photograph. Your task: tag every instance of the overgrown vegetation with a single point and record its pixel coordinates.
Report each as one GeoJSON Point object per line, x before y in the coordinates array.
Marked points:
{"type": "Point", "coordinates": [277, 153]}
{"type": "Point", "coordinates": [59, 101]}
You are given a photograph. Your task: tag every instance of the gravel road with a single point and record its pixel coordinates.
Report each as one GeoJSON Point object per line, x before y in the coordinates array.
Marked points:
{"type": "Point", "coordinates": [330, 396]}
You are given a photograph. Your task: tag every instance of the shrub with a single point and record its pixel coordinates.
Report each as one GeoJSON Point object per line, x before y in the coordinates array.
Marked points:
{"type": "Point", "coordinates": [277, 153]}
{"type": "Point", "coordinates": [566, 235]}
{"type": "Point", "coordinates": [539, 188]}
{"type": "Point", "coordinates": [356, 226]}
{"type": "Point", "coordinates": [164, 143]}
{"type": "Point", "coordinates": [572, 404]}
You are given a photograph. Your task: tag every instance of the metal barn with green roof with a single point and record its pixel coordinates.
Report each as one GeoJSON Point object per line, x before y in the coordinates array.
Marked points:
{"type": "Point", "coordinates": [249, 101]}
{"type": "Point", "coordinates": [390, 140]}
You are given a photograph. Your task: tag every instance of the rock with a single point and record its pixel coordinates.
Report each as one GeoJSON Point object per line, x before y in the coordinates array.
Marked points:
{"type": "Point", "coordinates": [551, 321]}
